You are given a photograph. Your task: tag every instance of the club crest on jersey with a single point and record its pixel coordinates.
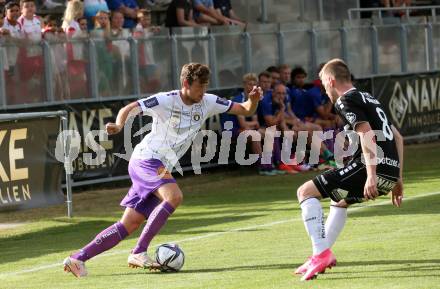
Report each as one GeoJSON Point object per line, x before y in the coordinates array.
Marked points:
{"type": "Point", "coordinates": [151, 102]}
{"type": "Point", "coordinates": [222, 101]}
{"type": "Point", "coordinates": [351, 117]}
{"type": "Point", "coordinates": [196, 116]}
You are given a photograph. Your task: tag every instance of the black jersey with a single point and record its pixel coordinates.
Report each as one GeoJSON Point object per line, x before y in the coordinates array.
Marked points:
{"type": "Point", "coordinates": [355, 107]}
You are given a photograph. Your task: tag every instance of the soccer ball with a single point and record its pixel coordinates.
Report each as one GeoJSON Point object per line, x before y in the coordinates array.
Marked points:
{"type": "Point", "coordinates": [170, 257]}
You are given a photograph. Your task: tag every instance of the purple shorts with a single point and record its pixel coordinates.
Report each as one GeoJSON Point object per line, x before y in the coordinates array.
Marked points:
{"type": "Point", "coordinates": [146, 177]}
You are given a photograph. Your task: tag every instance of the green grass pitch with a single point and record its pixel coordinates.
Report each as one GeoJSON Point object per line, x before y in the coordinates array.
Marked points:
{"type": "Point", "coordinates": [238, 230]}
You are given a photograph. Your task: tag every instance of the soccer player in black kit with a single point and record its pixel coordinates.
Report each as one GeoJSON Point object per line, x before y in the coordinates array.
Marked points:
{"type": "Point", "coordinates": [374, 170]}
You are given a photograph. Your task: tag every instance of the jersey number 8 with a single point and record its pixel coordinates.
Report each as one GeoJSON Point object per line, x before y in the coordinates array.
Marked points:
{"type": "Point", "coordinates": [387, 132]}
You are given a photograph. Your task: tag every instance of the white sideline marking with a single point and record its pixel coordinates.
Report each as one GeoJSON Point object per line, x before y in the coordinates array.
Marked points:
{"type": "Point", "coordinates": [117, 252]}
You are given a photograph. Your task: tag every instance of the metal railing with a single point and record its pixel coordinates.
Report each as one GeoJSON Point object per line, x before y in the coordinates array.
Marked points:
{"type": "Point", "coordinates": [406, 9]}
{"type": "Point", "coordinates": [94, 73]}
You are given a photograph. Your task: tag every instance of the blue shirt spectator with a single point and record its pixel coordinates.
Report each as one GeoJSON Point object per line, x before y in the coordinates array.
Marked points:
{"type": "Point", "coordinates": [206, 3]}
{"type": "Point", "coordinates": [91, 7]}
{"type": "Point", "coordinates": [129, 18]}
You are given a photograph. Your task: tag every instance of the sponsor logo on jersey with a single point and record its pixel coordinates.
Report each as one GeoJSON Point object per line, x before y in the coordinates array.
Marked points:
{"type": "Point", "coordinates": [351, 117]}
{"type": "Point", "coordinates": [222, 101]}
{"type": "Point", "coordinates": [384, 185]}
{"type": "Point", "coordinates": [388, 161]}
{"type": "Point", "coordinates": [151, 102]}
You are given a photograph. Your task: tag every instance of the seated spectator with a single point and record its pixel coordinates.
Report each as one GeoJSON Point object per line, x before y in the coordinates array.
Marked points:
{"type": "Point", "coordinates": [273, 109]}
{"type": "Point", "coordinates": [180, 13]}
{"type": "Point", "coordinates": [224, 7]}
{"type": "Point", "coordinates": [91, 8]}
{"type": "Point", "coordinates": [129, 10]}
{"type": "Point", "coordinates": [148, 70]}
{"type": "Point", "coordinates": [285, 71]}
{"type": "Point", "coordinates": [242, 123]}
{"type": "Point", "coordinates": [275, 74]}
{"type": "Point", "coordinates": [205, 14]}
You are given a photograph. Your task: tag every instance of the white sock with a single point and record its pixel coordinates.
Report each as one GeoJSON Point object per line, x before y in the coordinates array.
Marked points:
{"type": "Point", "coordinates": [335, 223]}
{"type": "Point", "coordinates": [313, 218]}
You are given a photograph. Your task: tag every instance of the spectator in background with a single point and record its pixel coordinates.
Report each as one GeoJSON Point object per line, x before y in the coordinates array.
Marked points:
{"type": "Point", "coordinates": [273, 109]}
{"type": "Point", "coordinates": [180, 13]}
{"type": "Point", "coordinates": [275, 74]}
{"type": "Point", "coordinates": [104, 47]}
{"type": "Point", "coordinates": [284, 71]}
{"type": "Point", "coordinates": [242, 123]}
{"type": "Point", "coordinates": [91, 8]}
{"type": "Point", "coordinates": [11, 29]}
{"type": "Point", "coordinates": [30, 60]}
{"type": "Point", "coordinates": [76, 59]}
{"type": "Point", "coordinates": [74, 11]}
{"type": "Point", "coordinates": [224, 7]}
{"type": "Point", "coordinates": [204, 13]}
{"type": "Point", "coordinates": [83, 24]}
{"type": "Point", "coordinates": [121, 54]}
{"type": "Point", "coordinates": [53, 33]}
{"type": "Point", "coordinates": [148, 70]}
{"type": "Point", "coordinates": [128, 8]}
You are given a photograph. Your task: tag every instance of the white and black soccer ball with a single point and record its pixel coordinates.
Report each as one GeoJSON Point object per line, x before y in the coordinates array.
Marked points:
{"type": "Point", "coordinates": [170, 257]}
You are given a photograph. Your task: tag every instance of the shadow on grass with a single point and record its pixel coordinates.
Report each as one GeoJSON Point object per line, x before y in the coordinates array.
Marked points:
{"type": "Point", "coordinates": [412, 265]}
{"type": "Point", "coordinates": [422, 205]}
{"type": "Point", "coordinates": [72, 236]}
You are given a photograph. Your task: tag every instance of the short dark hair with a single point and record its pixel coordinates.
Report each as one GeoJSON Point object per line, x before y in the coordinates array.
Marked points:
{"type": "Point", "coordinates": [11, 4]}
{"type": "Point", "coordinates": [297, 70]}
{"type": "Point", "coordinates": [265, 74]}
{"type": "Point", "coordinates": [49, 18]}
{"type": "Point", "coordinates": [195, 71]}
{"type": "Point", "coordinates": [273, 69]}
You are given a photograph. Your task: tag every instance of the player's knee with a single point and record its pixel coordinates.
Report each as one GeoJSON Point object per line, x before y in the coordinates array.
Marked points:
{"type": "Point", "coordinates": [301, 193]}
{"type": "Point", "coordinates": [175, 199]}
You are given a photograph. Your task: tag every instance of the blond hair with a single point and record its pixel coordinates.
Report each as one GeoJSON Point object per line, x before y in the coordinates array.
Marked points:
{"type": "Point", "coordinates": [250, 77]}
{"type": "Point", "coordinates": [74, 11]}
{"type": "Point", "coordinates": [337, 69]}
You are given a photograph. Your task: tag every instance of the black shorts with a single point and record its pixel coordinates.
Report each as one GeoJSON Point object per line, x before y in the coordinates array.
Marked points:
{"type": "Point", "coordinates": [348, 182]}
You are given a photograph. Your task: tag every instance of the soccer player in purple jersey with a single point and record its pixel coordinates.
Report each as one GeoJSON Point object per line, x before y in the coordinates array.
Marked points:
{"type": "Point", "coordinates": [154, 195]}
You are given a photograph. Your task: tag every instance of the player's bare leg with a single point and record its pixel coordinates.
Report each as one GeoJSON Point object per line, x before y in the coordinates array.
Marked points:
{"type": "Point", "coordinates": [313, 217]}
{"type": "Point", "coordinates": [171, 197]}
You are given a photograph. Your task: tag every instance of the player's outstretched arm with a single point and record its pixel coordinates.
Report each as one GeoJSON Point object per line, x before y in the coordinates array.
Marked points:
{"type": "Point", "coordinates": [369, 150]}
{"type": "Point", "coordinates": [248, 107]}
{"type": "Point", "coordinates": [130, 109]}
{"type": "Point", "coordinates": [397, 192]}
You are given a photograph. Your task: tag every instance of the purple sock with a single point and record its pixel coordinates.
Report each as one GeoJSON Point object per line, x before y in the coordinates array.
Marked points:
{"type": "Point", "coordinates": [155, 222]}
{"type": "Point", "coordinates": [104, 241]}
